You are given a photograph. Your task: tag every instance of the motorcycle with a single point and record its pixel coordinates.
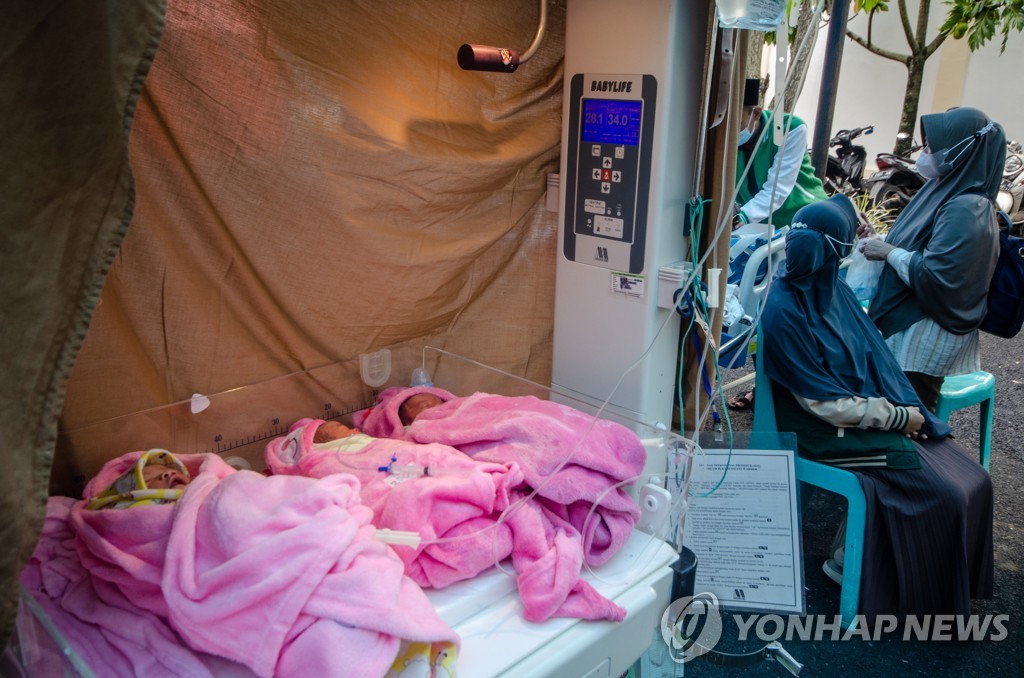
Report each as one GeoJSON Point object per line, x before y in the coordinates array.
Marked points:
{"type": "Point", "coordinates": [896, 181]}
{"type": "Point", "coordinates": [844, 171]}
{"type": "Point", "coordinates": [1011, 187]}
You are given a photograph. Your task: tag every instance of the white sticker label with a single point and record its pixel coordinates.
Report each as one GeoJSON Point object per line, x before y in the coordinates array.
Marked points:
{"type": "Point", "coordinates": [594, 206]}
{"type": "Point", "coordinates": [628, 284]}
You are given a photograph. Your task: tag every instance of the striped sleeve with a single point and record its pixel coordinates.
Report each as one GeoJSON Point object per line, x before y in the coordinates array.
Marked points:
{"type": "Point", "coordinates": [856, 412]}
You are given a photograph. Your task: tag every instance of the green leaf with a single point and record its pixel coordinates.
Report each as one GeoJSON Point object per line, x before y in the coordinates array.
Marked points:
{"type": "Point", "coordinates": [980, 21]}
{"type": "Point", "coordinates": [870, 6]}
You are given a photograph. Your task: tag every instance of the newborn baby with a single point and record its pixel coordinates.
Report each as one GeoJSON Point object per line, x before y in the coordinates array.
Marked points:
{"type": "Point", "coordinates": [414, 406]}
{"type": "Point", "coordinates": [411, 408]}
{"type": "Point", "coordinates": [158, 477]}
{"type": "Point", "coordinates": [333, 430]}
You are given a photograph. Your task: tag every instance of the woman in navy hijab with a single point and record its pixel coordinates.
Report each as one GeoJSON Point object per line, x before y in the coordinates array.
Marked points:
{"type": "Point", "coordinates": [928, 547]}
{"type": "Point", "coordinates": [941, 252]}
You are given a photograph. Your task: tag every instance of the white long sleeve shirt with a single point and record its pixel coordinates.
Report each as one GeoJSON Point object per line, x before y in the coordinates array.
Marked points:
{"type": "Point", "coordinates": [782, 176]}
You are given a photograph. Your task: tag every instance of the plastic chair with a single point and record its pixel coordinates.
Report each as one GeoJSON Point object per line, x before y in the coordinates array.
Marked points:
{"type": "Point", "coordinates": [964, 390]}
{"type": "Point", "coordinates": [751, 290]}
{"type": "Point", "coordinates": [837, 480]}
{"type": "Point", "coordinates": [957, 392]}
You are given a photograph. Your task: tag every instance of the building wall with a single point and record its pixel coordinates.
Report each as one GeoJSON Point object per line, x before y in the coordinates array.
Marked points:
{"type": "Point", "coordinates": [871, 88]}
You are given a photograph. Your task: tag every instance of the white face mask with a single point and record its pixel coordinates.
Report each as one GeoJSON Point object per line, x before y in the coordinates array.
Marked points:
{"type": "Point", "coordinates": [936, 165]}
{"type": "Point", "coordinates": [928, 166]}
{"type": "Point", "coordinates": [745, 132]}
{"type": "Point", "coordinates": [840, 248]}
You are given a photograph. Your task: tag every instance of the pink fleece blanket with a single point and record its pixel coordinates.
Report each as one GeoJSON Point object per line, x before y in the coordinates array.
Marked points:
{"type": "Point", "coordinates": [578, 465]}
{"type": "Point", "coordinates": [281, 575]}
{"type": "Point", "coordinates": [482, 506]}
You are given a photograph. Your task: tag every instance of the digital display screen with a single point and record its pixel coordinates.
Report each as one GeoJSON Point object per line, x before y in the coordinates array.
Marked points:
{"type": "Point", "coordinates": [608, 121]}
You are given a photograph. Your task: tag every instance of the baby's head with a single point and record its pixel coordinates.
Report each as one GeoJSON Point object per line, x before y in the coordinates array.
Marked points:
{"type": "Point", "coordinates": [332, 430]}
{"type": "Point", "coordinates": [157, 477]}
{"type": "Point", "coordinates": [414, 406]}
{"type": "Point", "coordinates": [397, 407]}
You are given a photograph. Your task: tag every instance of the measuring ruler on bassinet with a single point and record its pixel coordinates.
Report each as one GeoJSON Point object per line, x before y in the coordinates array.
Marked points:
{"type": "Point", "coordinates": [372, 369]}
{"type": "Point", "coordinates": [237, 422]}
{"type": "Point", "coordinates": [222, 444]}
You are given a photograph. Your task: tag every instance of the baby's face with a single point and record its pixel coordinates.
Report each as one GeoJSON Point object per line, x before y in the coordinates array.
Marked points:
{"type": "Point", "coordinates": [163, 477]}
{"type": "Point", "coordinates": [412, 407]}
{"type": "Point", "coordinates": [332, 430]}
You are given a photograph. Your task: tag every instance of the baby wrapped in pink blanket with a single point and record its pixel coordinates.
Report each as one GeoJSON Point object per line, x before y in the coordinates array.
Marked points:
{"type": "Point", "coordinates": [281, 575]}
{"type": "Point", "coordinates": [522, 477]}
{"type": "Point", "coordinates": [577, 464]}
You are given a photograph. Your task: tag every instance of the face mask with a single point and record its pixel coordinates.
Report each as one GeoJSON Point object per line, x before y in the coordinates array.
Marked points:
{"type": "Point", "coordinates": [844, 248]}
{"type": "Point", "coordinates": [928, 166]}
{"type": "Point", "coordinates": [840, 248]}
{"type": "Point", "coordinates": [745, 132]}
{"type": "Point", "coordinates": [939, 164]}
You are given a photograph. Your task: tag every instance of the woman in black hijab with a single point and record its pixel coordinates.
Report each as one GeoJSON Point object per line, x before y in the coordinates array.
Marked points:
{"type": "Point", "coordinates": [941, 252]}
{"type": "Point", "coordinates": [928, 542]}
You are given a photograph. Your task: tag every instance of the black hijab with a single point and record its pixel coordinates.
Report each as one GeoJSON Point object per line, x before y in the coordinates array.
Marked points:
{"type": "Point", "coordinates": [949, 281]}
{"type": "Point", "coordinates": [819, 343]}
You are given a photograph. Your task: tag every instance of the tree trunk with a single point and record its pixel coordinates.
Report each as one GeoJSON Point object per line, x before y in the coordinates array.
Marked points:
{"type": "Point", "coordinates": [755, 46]}
{"type": "Point", "coordinates": [911, 99]}
{"type": "Point", "coordinates": [798, 65]}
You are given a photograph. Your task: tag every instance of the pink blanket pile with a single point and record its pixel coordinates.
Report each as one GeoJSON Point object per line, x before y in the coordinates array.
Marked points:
{"type": "Point", "coordinates": [280, 575]}
{"type": "Point", "coordinates": [577, 464]}
{"type": "Point", "coordinates": [518, 477]}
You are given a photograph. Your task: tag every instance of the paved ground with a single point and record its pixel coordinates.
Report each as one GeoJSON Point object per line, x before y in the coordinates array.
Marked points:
{"type": "Point", "coordinates": [891, 655]}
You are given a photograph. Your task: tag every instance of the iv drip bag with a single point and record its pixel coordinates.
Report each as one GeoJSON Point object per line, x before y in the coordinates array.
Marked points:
{"type": "Point", "coordinates": [756, 15]}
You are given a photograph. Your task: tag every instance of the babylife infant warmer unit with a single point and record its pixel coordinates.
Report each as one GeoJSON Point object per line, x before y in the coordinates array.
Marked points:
{"type": "Point", "coordinates": [633, 89]}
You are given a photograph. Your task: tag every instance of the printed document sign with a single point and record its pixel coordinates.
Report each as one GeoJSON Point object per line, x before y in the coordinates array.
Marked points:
{"type": "Point", "coordinates": [744, 528]}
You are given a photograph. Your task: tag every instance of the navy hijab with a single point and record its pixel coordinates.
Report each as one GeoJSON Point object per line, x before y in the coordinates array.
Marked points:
{"type": "Point", "coordinates": [953, 286]}
{"type": "Point", "coordinates": [819, 343]}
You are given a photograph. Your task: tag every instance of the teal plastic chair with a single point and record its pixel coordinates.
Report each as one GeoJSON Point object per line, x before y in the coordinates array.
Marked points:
{"type": "Point", "coordinates": [829, 478]}
{"type": "Point", "coordinates": [965, 390]}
